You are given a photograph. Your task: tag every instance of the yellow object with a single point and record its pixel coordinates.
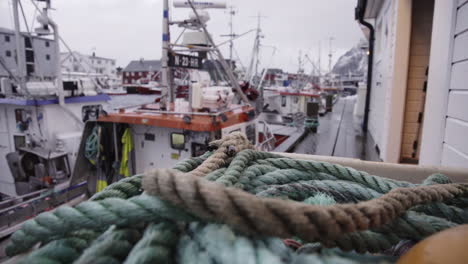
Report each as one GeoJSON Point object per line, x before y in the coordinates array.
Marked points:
{"type": "Point", "coordinates": [127, 147]}
{"type": "Point", "coordinates": [175, 156]}
{"type": "Point", "coordinates": [449, 246]}
{"type": "Point", "coordinates": [101, 184]}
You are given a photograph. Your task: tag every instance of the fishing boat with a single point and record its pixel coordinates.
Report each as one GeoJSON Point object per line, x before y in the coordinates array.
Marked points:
{"type": "Point", "coordinates": [42, 115]}
{"type": "Point", "coordinates": [173, 128]}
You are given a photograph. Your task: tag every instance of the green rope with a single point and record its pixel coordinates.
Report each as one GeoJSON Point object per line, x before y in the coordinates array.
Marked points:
{"type": "Point", "coordinates": [219, 244]}
{"type": "Point", "coordinates": [156, 245]}
{"type": "Point", "coordinates": [341, 191]}
{"type": "Point", "coordinates": [277, 177]}
{"type": "Point", "coordinates": [93, 215]}
{"type": "Point", "coordinates": [122, 207]}
{"type": "Point", "coordinates": [213, 176]}
{"type": "Point", "coordinates": [111, 247]}
{"type": "Point", "coordinates": [190, 164]}
{"type": "Point", "coordinates": [379, 184]}
{"type": "Point", "coordinates": [239, 163]}
{"type": "Point", "coordinates": [65, 250]}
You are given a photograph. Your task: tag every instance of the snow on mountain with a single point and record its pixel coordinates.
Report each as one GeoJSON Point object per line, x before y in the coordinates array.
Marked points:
{"type": "Point", "coordinates": [354, 61]}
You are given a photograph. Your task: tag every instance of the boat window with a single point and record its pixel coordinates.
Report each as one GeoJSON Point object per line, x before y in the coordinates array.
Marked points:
{"type": "Point", "coordinates": [47, 56]}
{"type": "Point", "coordinates": [7, 38]}
{"type": "Point", "coordinates": [8, 53]}
{"type": "Point", "coordinates": [283, 101]}
{"type": "Point", "coordinates": [20, 141]}
{"type": "Point", "coordinates": [250, 133]}
{"type": "Point", "coordinates": [47, 44]}
{"type": "Point", "coordinates": [178, 141]}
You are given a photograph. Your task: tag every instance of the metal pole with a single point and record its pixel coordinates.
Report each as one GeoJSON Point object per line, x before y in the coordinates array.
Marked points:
{"type": "Point", "coordinates": [20, 56]}
{"type": "Point", "coordinates": [226, 68]}
{"type": "Point", "coordinates": [330, 57]}
{"type": "Point", "coordinates": [166, 75]}
{"type": "Point", "coordinates": [58, 69]}
{"type": "Point", "coordinates": [232, 12]}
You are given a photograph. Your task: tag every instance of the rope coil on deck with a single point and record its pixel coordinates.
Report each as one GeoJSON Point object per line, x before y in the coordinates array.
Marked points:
{"type": "Point", "coordinates": [237, 204]}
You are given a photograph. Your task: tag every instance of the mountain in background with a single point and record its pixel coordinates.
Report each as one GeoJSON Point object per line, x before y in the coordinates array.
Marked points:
{"type": "Point", "coordinates": [354, 61]}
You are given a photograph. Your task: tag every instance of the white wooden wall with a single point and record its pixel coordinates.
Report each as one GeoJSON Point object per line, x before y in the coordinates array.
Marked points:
{"type": "Point", "coordinates": [382, 72]}
{"type": "Point", "coordinates": [455, 144]}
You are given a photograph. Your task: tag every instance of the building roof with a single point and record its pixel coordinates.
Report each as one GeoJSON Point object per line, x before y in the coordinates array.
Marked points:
{"type": "Point", "coordinates": [76, 53]}
{"type": "Point", "coordinates": [8, 31]}
{"type": "Point", "coordinates": [143, 66]}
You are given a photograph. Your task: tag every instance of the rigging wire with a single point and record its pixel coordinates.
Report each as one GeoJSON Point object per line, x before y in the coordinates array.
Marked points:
{"type": "Point", "coordinates": [239, 59]}
{"type": "Point", "coordinates": [24, 16]}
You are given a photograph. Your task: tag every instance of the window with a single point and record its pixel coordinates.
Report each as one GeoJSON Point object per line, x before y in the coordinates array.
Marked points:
{"type": "Point", "coordinates": [47, 57]}
{"type": "Point", "coordinates": [251, 133]}
{"type": "Point", "coordinates": [99, 62]}
{"type": "Point", "coordinates": [7, 38]}
{"type": "Point", "coordinates": [178, 141]}
{"type": "Point", "coordinates": [8, 53]}
{"type": "Point", "coordinates": [47, 44]}
{"type": "Point", "coordinates": [283, 101]}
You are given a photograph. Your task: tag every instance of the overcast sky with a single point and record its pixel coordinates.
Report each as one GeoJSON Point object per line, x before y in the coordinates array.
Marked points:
{"type": "Point", "coordinates": [131, 29]}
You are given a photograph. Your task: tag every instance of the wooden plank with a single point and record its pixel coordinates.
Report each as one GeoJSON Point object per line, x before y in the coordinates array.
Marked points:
{"type": "Point", "coordinates": [409, 138]}
{"type": "Point", "coordinates": [414, 95]}
{"type": "Point", "coordinates": [412, 128]}
{"type": "Point", "coordinates": [459, 79]}
{"type": "Point", "coordinates": [407, 150]}
{"type": "Point", "coordinates": [417, 72]}
{"type": "Point", "coordinates": [420, 49]}
{"type": "Point", "coordinates": [413, 106]}
{"type": "Point", "coordinates": [458, 105]}
{"type": "Point", "coordinates": [460, 52]}
{"type": "Point", "coordinates": [462, 19]}
{"type": "Point", "coordinates": [419, 60]}
{"type": "Point", "coordinates": [456, 132]}
{"type": "Point", "coordinates": [411, 116]}
{"type": "Point", "coordinates": [453, 158]}
{"type": "Point", "coordinates": [416, 84]}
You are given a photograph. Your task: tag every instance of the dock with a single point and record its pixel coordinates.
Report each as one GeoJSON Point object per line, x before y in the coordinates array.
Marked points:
{"type": "Point", "coordinates": [340, 135]}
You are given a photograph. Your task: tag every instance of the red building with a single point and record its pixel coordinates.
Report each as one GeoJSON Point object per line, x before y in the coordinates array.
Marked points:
{"type": "Point", "coordinates": [139, 71]}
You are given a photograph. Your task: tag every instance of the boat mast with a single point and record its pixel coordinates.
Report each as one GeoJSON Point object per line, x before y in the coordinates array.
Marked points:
{"type": "Point", "coordinates": [20, 56]}
{"type": "Point", "coordinates": [231, 35]}
{"type": "Point", "coordinates": [255, 60]}
{"type": "Point", "coordinates": [222, 61]}
{"type": "Point", "coordinates": [165, 70]}
{"type": "Point", "coordinates": [330, 56]}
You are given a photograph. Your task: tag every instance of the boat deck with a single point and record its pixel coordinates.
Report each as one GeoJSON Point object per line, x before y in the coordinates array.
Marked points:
{"type": "Point", "coordinates": [339, 134]}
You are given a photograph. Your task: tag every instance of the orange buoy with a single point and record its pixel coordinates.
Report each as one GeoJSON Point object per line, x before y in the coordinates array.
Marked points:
{"type": "Point", "coordinates": [448, 246]}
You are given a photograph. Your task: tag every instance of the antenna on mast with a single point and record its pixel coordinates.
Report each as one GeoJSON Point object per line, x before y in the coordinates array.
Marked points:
{"type": "Point", "coordinates": [232, 12]}
{"type": "Point", "coordinates": [330, 56]}
{"type": "Point", "coordinates": [255, 59]}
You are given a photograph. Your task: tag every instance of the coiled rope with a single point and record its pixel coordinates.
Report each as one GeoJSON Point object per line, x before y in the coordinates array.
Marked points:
{"type": "Point", "coordinates": [233, 200]}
